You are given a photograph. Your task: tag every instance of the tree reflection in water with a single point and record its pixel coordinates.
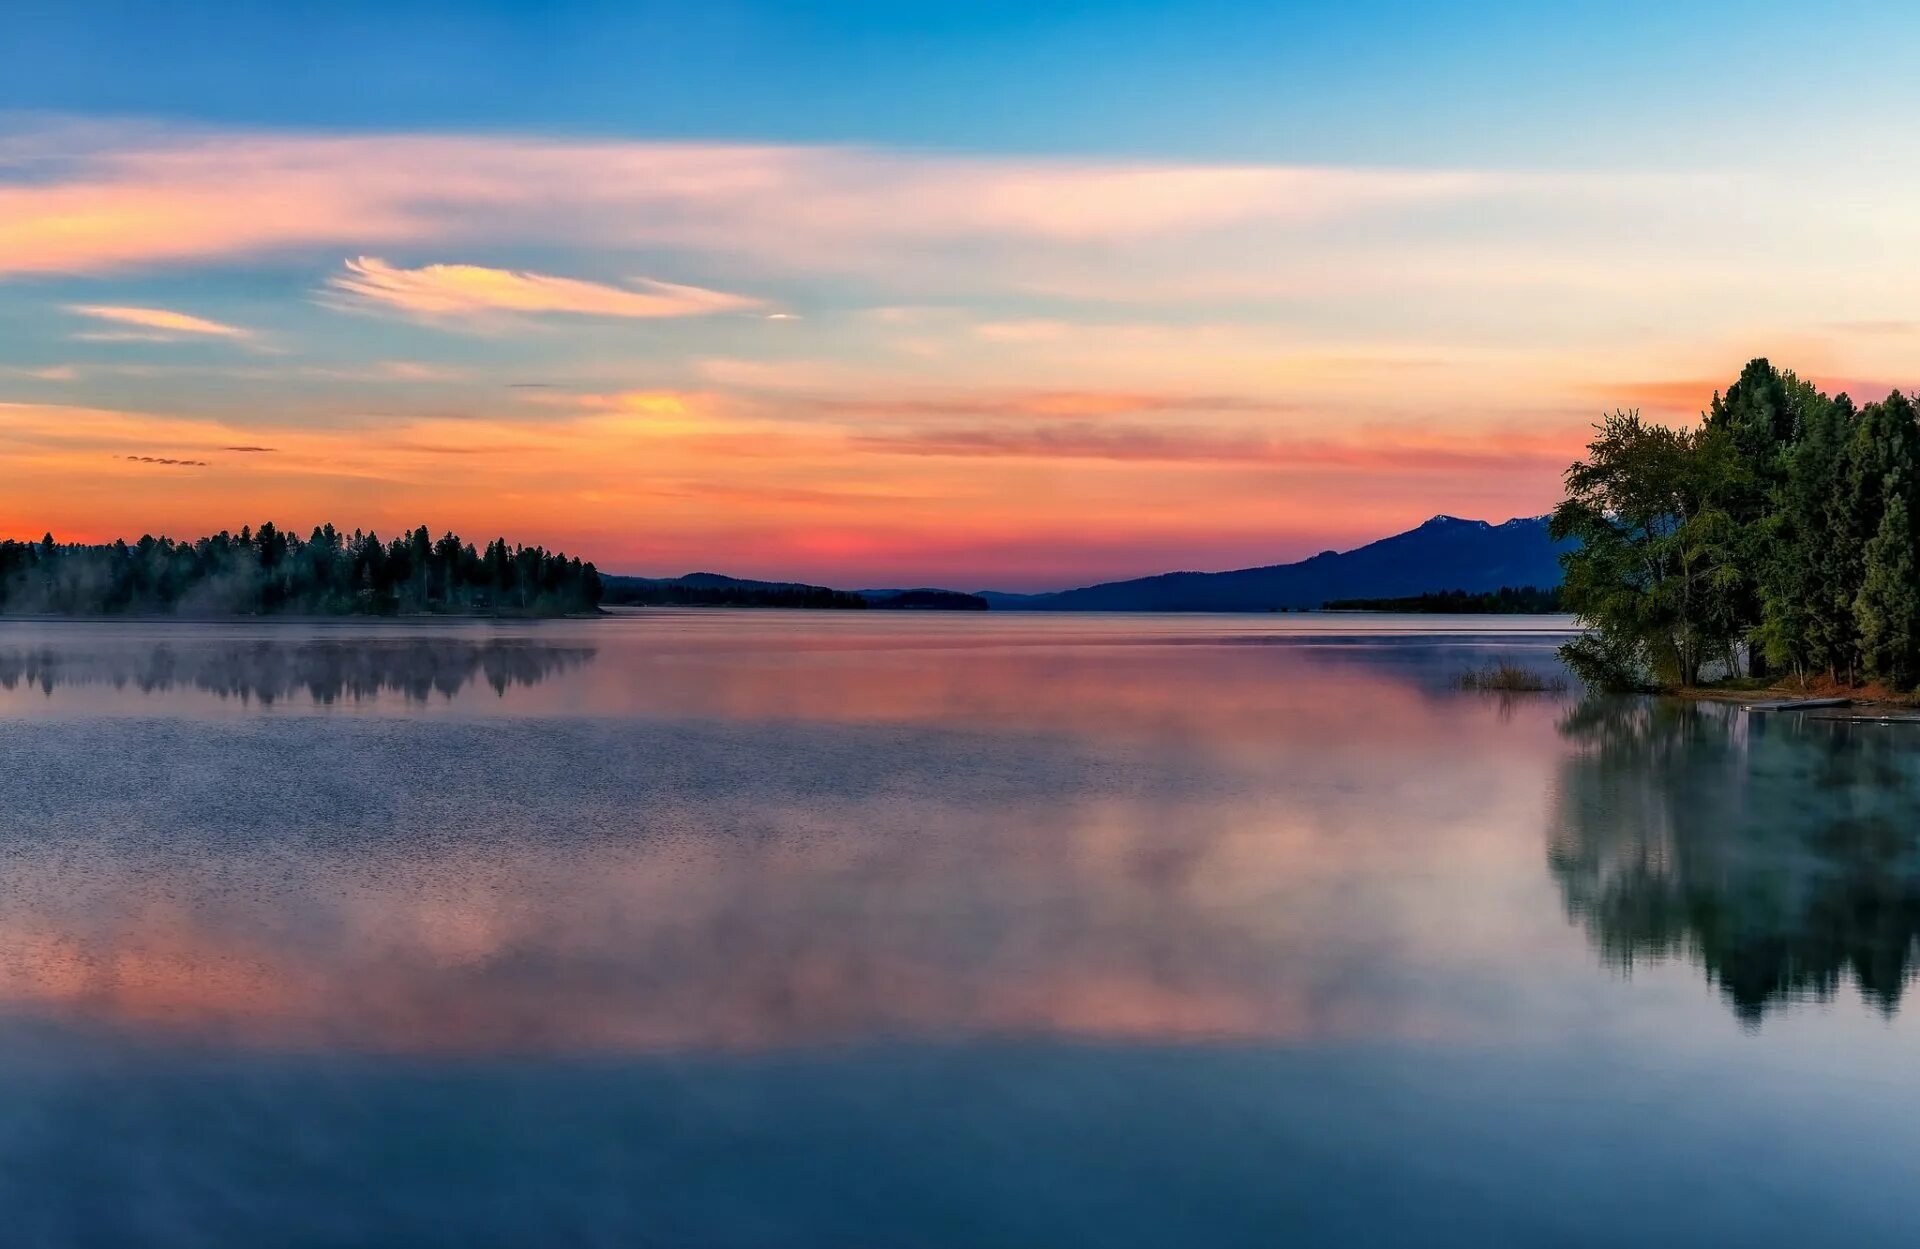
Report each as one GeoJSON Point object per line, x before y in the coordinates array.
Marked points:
{"type": "Point", "coordinates": [1780, 853]}
{"type": "Point", "coordinates": [325, 670]}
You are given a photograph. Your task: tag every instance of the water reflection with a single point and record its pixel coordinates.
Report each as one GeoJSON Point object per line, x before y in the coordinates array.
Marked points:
{"type": "Point", "coordinates": [271, 669]}
{"type": "Point", "coordinates": [768, 847]}
{"type": "Point", "coordinates": [817, 932]}
{"type": "Point", "coordinates": [1780, 854]}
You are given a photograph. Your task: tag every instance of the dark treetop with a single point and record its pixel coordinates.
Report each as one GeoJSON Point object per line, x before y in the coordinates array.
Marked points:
{"type": "Point", "coordinates": [267, 571]}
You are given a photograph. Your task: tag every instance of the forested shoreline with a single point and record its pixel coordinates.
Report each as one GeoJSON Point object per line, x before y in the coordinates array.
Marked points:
{"type": "Point", "coordinates": [1776, 538]}
{"type": "Point", "coordinates": [717, 591]}
{"type": "Point", "coordinates": [269, 572]}
{"type": "Point", "coordinates": [1506, 601]}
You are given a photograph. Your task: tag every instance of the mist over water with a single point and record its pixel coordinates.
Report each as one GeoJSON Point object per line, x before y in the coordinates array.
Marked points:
{"type": "Point", "coordinates": [741, 928]}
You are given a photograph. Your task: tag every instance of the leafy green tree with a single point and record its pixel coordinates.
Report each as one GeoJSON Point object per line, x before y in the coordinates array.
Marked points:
{"type": "Point", "coordinates": [1656, 570]}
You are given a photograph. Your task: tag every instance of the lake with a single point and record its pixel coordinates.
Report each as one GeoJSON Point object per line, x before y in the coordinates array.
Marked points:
{"type": "Point", "coordinates": [845, 929]}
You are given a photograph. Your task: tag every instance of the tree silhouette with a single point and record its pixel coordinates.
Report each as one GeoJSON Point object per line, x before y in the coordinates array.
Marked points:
{"type": "Point", "coordinates": [270, 571]}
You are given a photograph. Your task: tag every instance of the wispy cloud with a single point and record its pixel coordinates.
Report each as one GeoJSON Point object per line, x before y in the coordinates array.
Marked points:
{"type": "Point", "coordinates": [44, 373]}
{"type": "Point", "coordinates": [160, 324]}
{"type": "Point", "coordinates": [469, 291]}
{"type": "Point", "coordinates": [1386, 452]}
{"type": "Point", "coordinates": [1043, 403]}
{"type": "Point", "coordinates": [151, 196]}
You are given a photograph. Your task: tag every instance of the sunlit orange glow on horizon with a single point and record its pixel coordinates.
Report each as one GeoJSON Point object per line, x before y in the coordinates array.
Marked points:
{"type": "Point", "coordinates": [660, 481]}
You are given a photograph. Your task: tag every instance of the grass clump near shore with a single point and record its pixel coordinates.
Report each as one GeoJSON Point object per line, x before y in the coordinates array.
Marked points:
{"type": "Point", "coordinates": [1504, 676]}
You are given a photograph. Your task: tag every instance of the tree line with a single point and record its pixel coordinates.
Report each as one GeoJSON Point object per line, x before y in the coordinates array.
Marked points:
{"type": "Point", "coordinates": [725, 592]}
{"type": "Point", "coordinates": [1774, 537]}
{"type": "Point", "coordinates": [267, 571]}
{"type": "Point", "coordinates": [1506, 601]}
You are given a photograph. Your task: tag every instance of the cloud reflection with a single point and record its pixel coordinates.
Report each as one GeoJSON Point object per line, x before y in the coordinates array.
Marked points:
{"type": "Point", "coordinates": [784, 848]}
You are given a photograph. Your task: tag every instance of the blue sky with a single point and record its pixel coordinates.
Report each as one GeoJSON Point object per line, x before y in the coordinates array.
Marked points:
{"type": "Point", "coordinates": [1361, 82]}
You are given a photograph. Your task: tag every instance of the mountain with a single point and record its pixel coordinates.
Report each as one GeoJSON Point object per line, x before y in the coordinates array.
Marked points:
{"type": "Point", "coordinates": [1446, 553]}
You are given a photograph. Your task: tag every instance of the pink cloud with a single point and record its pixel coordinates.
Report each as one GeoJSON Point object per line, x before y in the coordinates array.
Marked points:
{"type": "Point", "coordinates": [161, 322]}
{"type": "Point", "coordinates": [451, 290]}
{"type": "Point", "coordinates": [103, 199]}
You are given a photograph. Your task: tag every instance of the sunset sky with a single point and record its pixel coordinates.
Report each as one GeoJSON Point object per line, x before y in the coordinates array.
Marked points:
{"type": "Point", "coordinates": [982, 295]}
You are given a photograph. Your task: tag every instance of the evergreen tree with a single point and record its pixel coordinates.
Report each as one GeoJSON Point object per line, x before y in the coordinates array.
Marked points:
{"type": "Point", "coordinates": [1806, 615]}
{"type": "Point", "coordinates": [1882, 456]}
{"type": "Point", "coordinates": [1760, 417]}
{"type": "Point", "coordinates": [1888, 606]}
{"type": "Point", "coordinates": [274, 571]}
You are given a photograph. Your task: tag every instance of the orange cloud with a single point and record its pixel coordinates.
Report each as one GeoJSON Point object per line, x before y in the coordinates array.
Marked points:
{"type": "Point", "coordinates": [1683, 395]}
{"type": "Point", "coordinates": [162, 321]}
{"type": "Point", "coordinates": [471, 290]}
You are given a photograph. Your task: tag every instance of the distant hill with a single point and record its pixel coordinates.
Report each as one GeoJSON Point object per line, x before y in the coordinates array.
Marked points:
{"type": "Point", "coordinates": [924, 599]}
{"type": "Point", "coordinates": [711, 589]}
{"type": "Point", "coordinates": [1006, 600]}
{"type": "Point", "coordinates": [1446, 553]}
{"type": "Point", "coordinates": [1506, 601]}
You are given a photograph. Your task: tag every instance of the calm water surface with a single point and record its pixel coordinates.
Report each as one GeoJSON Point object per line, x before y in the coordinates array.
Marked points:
{"type": "Point", "coordinates": [841, 930]}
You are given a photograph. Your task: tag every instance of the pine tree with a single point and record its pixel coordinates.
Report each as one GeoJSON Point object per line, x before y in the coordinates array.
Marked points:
{"type": "Point", "coordinates": [1756, 425]}
{"type": "Point", "coordinates": [1881, 462]}
{"type": "Point", "coordinates": [1888, 606]}
{"type": "Point", "coordinates": [1806, 613]}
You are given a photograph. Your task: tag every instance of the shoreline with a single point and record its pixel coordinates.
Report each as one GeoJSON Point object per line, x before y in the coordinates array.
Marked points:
{"type": "Point", "coordinates": [1863, 704]}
